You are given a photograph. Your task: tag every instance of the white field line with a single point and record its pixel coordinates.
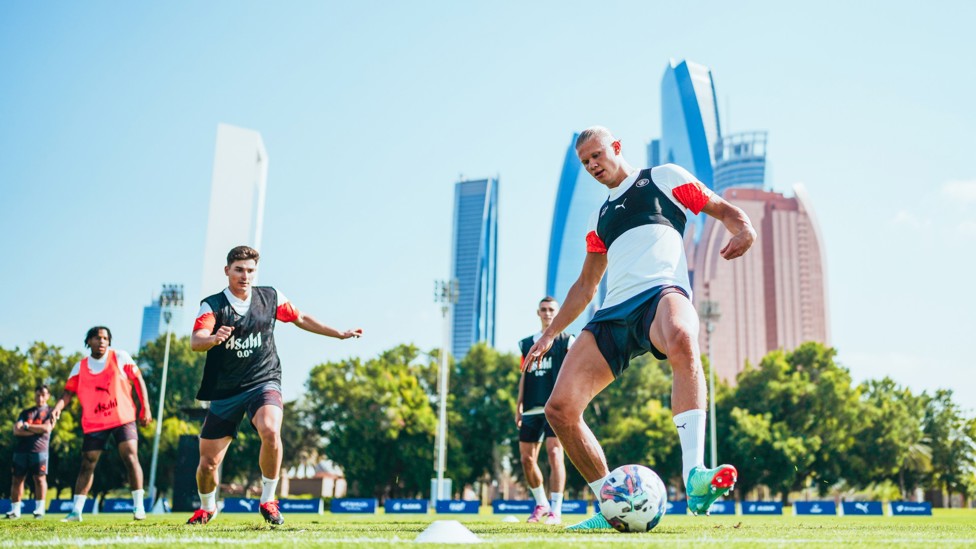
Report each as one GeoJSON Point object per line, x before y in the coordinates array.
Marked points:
{"type": "Point", "coordinates": [615, 539]}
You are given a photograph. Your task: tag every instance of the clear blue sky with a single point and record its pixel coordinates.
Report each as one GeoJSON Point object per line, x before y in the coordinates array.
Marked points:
{"type": "Point", "coordinates": [370, 111]}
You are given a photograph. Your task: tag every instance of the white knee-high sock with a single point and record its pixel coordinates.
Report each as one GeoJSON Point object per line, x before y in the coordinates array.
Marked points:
{"type": "Point", "coordinates": [208, 502]}
{"type": "Point", "coordinates": [556, 502]}
{"type": "Point", "coordinates": [79, 504]}
{"type": "Point", "coordinates": [539, 495]}
{"type": "Point", "coordinates": [268, 487]}
{"type": "Point", "coordinates": [597, 485]}
{"type": "Point", "coordinates": [691, 432]}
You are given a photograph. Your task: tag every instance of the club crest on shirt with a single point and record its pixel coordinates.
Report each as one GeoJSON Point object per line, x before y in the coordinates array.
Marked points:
{"type": "Point", "coordinates": [642, 182]}
{"type": "Point", "coordinates": [604, 210]}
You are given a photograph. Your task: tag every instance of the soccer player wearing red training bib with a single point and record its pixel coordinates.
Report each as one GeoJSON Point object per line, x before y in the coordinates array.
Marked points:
{"type": "Point", "coordinates": [104, 383]}
{"type": "Point", "coordinates": [636, 237]}
{"type": "Point", "coordinates": [243, 375]}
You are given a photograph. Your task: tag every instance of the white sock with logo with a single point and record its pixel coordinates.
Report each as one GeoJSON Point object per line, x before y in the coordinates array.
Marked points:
{"type": "Point", "coordinates": [38, 506]}
{"type": "Point", "coordinates": [138, 500]}
{"type": "Point", "coordinates": [208, 502]}
{"type": "Point", "coordinates": [539, 494]}
{"type": "Point", "coordinates": [597, 485]}
{"type": "Point", "coordinates": [79, 504]}
{"type": "Point", "coordinates": [556, 502]}
{"type": "Point", "coordinates": [15, 507]}
{"type": "Point", "coordinates": [691, 432]}
{"type": "Point", "coordinates": [268, 487]}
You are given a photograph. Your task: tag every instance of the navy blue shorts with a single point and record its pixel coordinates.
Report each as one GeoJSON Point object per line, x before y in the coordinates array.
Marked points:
{"type": "Point", "coordinates": [534, 427]}
{"type": "Point", "coordinates": [622, 332]}
{"type": "Point", "coordinates": [29, 463]}
{"type": "Point", "coordinates": [225, 415]}
{"type": "Point", "coordinates": [96, 442]}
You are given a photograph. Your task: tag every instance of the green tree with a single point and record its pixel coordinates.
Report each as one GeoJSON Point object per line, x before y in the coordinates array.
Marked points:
{"type": "Point", "coordinates": [793, 420]}
{"type": "Point", "coordinates": [377, 419]}
{"type": "Point", "coordinates": [952, 438]}
{"type": "Point", "coordinates": [890, 444]}
{"type": "Point", "coordinates": [182, 378]}
{"type": "Point", "coordinates": [484, 391]}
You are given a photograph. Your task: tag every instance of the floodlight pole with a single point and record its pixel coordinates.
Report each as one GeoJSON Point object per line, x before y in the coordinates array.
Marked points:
{"type": "Point", "coordinates": [710, 314]}
{"type": "Point", "coordinates": [445, 293]}
{"type": "Point", "coordinates": [172, 296]}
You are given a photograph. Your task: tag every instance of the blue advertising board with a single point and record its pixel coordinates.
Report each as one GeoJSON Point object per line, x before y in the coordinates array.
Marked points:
{"type": "Point", "coordinates": [862, 508]}
{"type": "Point", "coordinates": [574, 507]}
{"type": "Point", "coordinates": [240, 505]}
{"type": "Point", "coordinates": [353, 505]}
{"type": "Point", "coordinates": [814, 508]}
{"type": "Point", "coordinates": [291, 505]}
{"type": "Point", "coordinates": [26, 507]}
{"type": "Point", "coordinates": [457, 506]}
{"type": "Point", "coordinates": [677, 507]}
{"type": "Point", "coordinates": [762, 508]}
{"type": "Point", "coordinates": [122, 505]}
{"type": "Point", "coordinates": [66, 505]}
{"type": "Point", "coordinates": [902, 508]}
{"type": "Point", "coordinates": [517, 506]}
{"type": "Point", "coordinates": [722, 508]}
{"type": "Point", "coordinates": [419, 506]}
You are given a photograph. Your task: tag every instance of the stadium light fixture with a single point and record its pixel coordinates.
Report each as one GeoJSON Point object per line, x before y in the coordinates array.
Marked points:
{"type": "Point", "coordinates": [170, 298]}
{"type": "Point", "coordinates": [446, 293]}
{"type": "Point", "coordinates": [709, 313]}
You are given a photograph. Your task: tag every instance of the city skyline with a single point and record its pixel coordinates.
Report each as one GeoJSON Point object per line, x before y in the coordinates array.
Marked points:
{"type": "Point", "coordinates": [109, 131]}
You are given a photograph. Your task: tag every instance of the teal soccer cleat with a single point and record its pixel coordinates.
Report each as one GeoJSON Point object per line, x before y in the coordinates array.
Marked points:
{"type": "Point", "coordinates": [704, 486]}
{"type": "Point", "coordinates": [596, 522]}
{"type": "Point", "coordinates": [72, 517]}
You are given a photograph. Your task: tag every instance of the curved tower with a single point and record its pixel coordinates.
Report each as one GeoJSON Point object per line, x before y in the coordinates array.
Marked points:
{"type": "Point", "coordinates": [578, 196]}
{"type": "Point", "coordinates": [689, 118]}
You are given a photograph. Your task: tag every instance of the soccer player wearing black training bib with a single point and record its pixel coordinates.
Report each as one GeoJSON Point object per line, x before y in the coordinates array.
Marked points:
{"type": "Point", "coordinates": [243, 375]}
{"type": "Point", "coordinates": [535, 386]}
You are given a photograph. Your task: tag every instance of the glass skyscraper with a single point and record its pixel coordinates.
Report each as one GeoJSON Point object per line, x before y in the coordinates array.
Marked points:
{"type": "Point", "coordinates": [474, 263]}
{"type": "Point", "coordinates": [689, 119]}
{"type": "Point", "coordinates": [578, 196]}
{"type": "Point", "coordinates": [154, 324]}
{"type": "Point", "coordinates": [740, 161]}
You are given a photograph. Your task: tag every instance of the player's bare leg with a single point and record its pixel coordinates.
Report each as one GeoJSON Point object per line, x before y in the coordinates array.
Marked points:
{"type": "Point", "coordinates": [529, 452]}
{"type": "Point", "coordinates": [86, 474]}
{"type": "Point", "coordinates": [674, 331]}
{"type": "Point", "coordinates": [584, 374]}
{"type": "Point", "coordinates": [212, 452]}
{"type": "Point", "coordinates": [16, 495]}
{"type": "Point", "coordinates": [557, 479]}
{"type": "Point", "coordinates": [129, 452]}
{"type": "Point", "coordinates": [267, 421]}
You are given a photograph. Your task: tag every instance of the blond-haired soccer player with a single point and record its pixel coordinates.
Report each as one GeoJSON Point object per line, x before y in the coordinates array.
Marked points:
{"type": "Point", "coordinates": [636, 237]}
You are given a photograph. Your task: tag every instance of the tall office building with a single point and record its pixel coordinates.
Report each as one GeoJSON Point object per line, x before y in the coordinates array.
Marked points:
{"type": "Point", "coordinates": [474, 263]}
{"type": "Point", "coordinates": [740, 161]}
{"type": "Point", "coordinates": [578, 196]}
{"type": "Point", "coordinates": [689, 119]}
{"type": "Point", "coordinates": [774, 296]}
{"type": "Point", "coordinates": [154, 320]}
{"type": "Point", "coordinates": [240, 175]}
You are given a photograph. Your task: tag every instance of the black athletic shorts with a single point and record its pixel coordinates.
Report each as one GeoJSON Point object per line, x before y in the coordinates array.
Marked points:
{"type": "Point", "coordinates": [225, 415]}
{"type": "Point", "coordinates": [622, 332]}
{"type": "Point", "coordinates": [29, 463]}
{"type": "Point", "coordinates": [98, 439]}
{"type": "Point", "coordinates": [534, 426]}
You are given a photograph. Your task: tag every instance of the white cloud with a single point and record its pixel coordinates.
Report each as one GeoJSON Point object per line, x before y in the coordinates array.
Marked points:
{"type": "Point", "coordinates": [959, 191]}
{"type": "Point", "coordinates": [967, 228]}
{"type": "Point", "coordinates": [907, 219]}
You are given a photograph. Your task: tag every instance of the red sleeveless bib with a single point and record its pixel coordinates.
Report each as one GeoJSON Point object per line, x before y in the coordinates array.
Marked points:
{"type": "Point", "coordinates": [106, 397]}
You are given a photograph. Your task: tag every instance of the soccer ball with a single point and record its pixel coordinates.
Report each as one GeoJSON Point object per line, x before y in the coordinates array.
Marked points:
{"type": "Point", "coordinates": [633, 499]}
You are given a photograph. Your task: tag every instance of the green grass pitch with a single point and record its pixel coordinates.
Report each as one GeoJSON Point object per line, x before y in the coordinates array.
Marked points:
{"type": "Point", "coordinates": [947, 528]}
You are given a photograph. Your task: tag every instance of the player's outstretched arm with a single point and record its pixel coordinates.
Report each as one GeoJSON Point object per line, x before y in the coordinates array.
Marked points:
{"type": "Point", "coordinates": [311, 324]}
{"type": "Point", "coordinates": [579, 296]}
{"type": "Point", "coordinates": [737, 223]}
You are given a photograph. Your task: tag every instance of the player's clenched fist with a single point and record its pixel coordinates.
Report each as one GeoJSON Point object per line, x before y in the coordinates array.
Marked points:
{"type": "Point", "coordinates": [222, 334]}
